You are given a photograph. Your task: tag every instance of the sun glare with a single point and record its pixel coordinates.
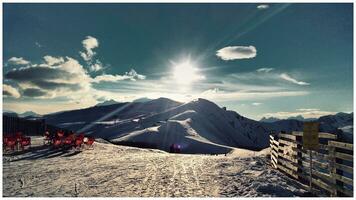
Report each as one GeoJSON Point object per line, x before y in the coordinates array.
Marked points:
{"type": "Point", "coordinates": [186, 72]}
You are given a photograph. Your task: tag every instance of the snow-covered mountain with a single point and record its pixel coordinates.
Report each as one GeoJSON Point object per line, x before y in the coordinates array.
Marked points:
{"type": "Point", "coordinates": [274, 119]}
{"type": "Point", "coordinates": [269, 119]}
{"type": "Point", "coordinates": [199, 126]}
{"type": "Point", "coordinates": [29, 114]}
{"type": "Point", "coordinates": [107, 103]}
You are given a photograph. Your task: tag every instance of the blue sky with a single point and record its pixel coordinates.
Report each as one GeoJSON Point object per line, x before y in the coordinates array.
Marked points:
{"type": "Point", "coordinates": [257, 59]}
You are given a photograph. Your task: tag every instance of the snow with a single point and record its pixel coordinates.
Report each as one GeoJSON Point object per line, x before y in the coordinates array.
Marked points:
{"type": "Point", "coordinates": [119, 171]}
{"type": "Point", "coordinates": [198, 126]}
{"type": "Point", "coordinates": [199, 123]}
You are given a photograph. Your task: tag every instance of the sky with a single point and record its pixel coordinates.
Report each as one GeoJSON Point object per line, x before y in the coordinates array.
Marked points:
{"type": "Point", "coordinates": [260, 60]}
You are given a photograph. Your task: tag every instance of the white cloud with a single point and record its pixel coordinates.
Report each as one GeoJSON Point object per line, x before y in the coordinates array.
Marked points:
{"type": "Point", "coordinates": [306, 113]}
{"type": "Point", "coordinates": [263, 6]}
{"type": "Point", "coordinates": [264, 70]}
{"type": "Point", "coordinates": [131, 75]}
{"type": "Point", "coordinates": [256, 104]}
{"type": "Point", "coordinates": [134, 75]}
{"type": "Point", "coordinates": [50, 60]}
{"type": "Point", "coordinates": [89, 44]}
{"type": "Point", "coordinates": [237, 52]}
{"type": "Point", "coordinates": [10, 91]}
{"type": "Point", "coordinates": [45, 81]}
{"type": "Point", "coordinates": [290, 79]}
{"type": "Point", "coordinates": [18, 61]}
{"type": "Point", "coordinates": [307, 109]}
{"type": "Point", "coordinates": [249, 95]}
{"type": "Point", "coordinates": [97, 66]}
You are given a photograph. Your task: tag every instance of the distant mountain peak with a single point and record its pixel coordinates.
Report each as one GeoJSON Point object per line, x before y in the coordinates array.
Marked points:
{"type": "Point", "coordinates": [29, 114]}
{"type": "Point", "coordinates": [107, 103]}
{"type": "Point", "coordinates": [143, 99]}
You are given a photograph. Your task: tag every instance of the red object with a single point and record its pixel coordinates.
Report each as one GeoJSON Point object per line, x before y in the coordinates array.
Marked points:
{"type": "Point", "coordinates": [57, 142]}
{"type": "Point", "coordinates": [60, 134]}
{"type": "Point", "coordinates": [90, 141]}
{"type": "Point", "coordinates": [79, 140]}
{"type": "Point", "coordinates": [25, 141]}
{"type": "Point", "coordinates": [10, 142]}
{"type": "Point", "coordinates": [69, 140]}
{"type": "Point", "coordinates": [18, 136]}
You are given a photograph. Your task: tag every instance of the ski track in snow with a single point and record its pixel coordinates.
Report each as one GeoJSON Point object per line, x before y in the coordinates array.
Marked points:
{"type": "Point", "coordinates": [120, 171]}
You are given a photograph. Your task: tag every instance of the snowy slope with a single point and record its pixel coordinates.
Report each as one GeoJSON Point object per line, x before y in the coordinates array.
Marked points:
{"type": "Point", "coordinates": [77, 119]}
{"type": "Point", "coordinates": [199, 126]}
{"type": "Point", "coordinates": [118, 171]}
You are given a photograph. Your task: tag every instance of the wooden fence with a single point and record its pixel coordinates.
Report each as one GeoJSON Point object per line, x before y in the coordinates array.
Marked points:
{"type": "Point", "coordinates": [12, 125]}
{"type": "Point", "coordinates": [331, 166]}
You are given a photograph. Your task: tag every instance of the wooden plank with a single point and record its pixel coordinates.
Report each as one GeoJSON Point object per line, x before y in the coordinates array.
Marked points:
{"type": "Point", "coordinates": [332, 169]}
{"type": "Point", "coordinates": [290, 158]}
{"type": "Point", "coordinates": [275, 153]}
{"type": "Point", "coordinates": [321, 135]}
{"type": "Point", "coordinates": [285, 142]}
{"type": "Point", "coordinates": [315, 163]}
{"type": "Point", "coordinates": [345, 191]}
{"type": "Point", "coordinates": [287, 150]}
{"type": "Point", "coordinates": [274, 165]}
{"type": "Point", "coordinates": [344, 156]}
{"type": "Point", "coordinates": [273, 142]}
{"type": "Point", "coordinates": [288, 136]}
{"type": "Point", "coordinates": [273, 157]}
{"type": "Point", "coordinates": [327, 135]}
{"type": "Point", "coordinates": [341, 145]}
{"type": "Point", "coordinates": [288, 164]}
{"type": "Point", "coordinates": [276, 142]}
{"type": "Point", "coordinates": [275, 147]}
{"type": "Point", "coordinates": [288, 171]}
{"type": "Point", "coordinates": [297, 133]}
{"type": "Point", "coordinates": [319, 155]}
{"type": "Point", "coordinates": [321, 146]}
{"type": "Point", "coordinates": [344, 168]}
{"type": "Point", "coordinates": [323, 185]}
{"type": "Point", "coordinates": [343, 179]}
{"type": "Point", "coordinates": [321, 175]}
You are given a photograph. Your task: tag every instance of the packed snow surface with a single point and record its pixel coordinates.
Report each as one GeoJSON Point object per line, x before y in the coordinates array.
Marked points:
{"type": "Point", "coordinates": [119, 171]}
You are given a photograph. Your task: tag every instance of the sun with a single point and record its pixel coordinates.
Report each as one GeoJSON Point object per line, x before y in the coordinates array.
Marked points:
{"type": "Point", "coordinates": [186, 72]}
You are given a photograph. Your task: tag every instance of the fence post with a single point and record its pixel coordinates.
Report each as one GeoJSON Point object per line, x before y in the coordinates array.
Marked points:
{"type": "Point", "coordinates": [332, 168]}
{"type": "Point", "coordinates": [299, 155]}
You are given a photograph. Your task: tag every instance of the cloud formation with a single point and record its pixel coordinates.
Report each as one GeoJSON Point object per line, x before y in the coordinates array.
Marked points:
{"type": "Point", "coordinates": [131, 75]}
{"type": "Point", "coordinates": [18, 61]}
{"type": "Point", "coordinates": [236, 52]}
{"type": "Point", "coordinates": [50, 60]}
{"type": "Point", "coordinates": [51, 80]}
{"type": "Point", "coordinates": [248, 95]}
{"type": "Point", "coordinates": [263, 6]}
{"type": "Point", "coordinates": [34, 92]}
{"type": "Point", "coordinates": [266, 76]}
{"type": "Point", "coordinates": [9, 91]}
{"type": "Point", "coordinates": [286, 77]}
{"type": "Point", "coordinates": [89, 44]}
{"type": "Point", "coordinates": [96, 66]}
{"type": "Point", "coordinates": [264, 70]}
{"type": "Point", "coordinates": [306, 113]}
